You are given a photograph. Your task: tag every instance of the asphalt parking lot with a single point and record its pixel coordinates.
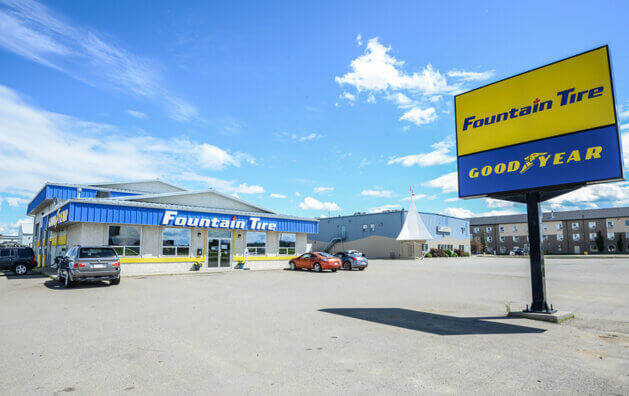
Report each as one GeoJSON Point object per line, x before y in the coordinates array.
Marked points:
{"type": "Point", "coordinates": [432, 326]}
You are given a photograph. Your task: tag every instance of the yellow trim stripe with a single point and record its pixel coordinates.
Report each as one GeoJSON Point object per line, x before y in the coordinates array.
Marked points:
{"type": "Point", "coordinates": [162, 259]}
{"type": "Point", "coordinates": [264, 258]}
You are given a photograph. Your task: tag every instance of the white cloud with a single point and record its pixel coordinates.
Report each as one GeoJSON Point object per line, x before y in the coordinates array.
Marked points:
{"type": "Point", "coordinates": [377, 193]}
{"type": "Point", "coordinates": [624, 127]}
{"type": "Point", "coordinates": [359, 39]}
{"type": "Point", "coordinates": [470, 76]}
{"type": "Point", "coordinates": [348, 96]}
{"type": "Point", "coordinates": [453, 199]}
{"type": "Point", "coordinates": [466, 213]}
{"type": "Point", "coordinates": [226, 186]}
{"type": "Point", "coordinates": [611, 194]}
{"type": "Point", "coordinates": [136, 114]}
{"type": "Point", "coordinates": [624, 114]}
{"type": "Point", "coordinates": [439, 156]}
{"type": "Point", "coordinates": [279, 196]}
{"type": "Point", "coordinates": [625, 146]}
{"type": "Point", "coordinates": [498, 203]}
{"type": "Point", "coordinates": [31, 139]}
{"type": "Point", "coordinates": [15, 201]}
{"type": "Point", "coordinates": [297, 194]}
{"type": "Point", "coordinates": [416, 196]}
{"type": "Point", "coordinates": [310, 203]}
{"type": "Point", "coordinates": [298, 138]}
{"type": "Point", "coordinates": [380, 209]}
{"type": "Point", "coordinates": [419, 116]}
{"type": "Point", "coordinates": [319, 190]}
{"type": "Point", "coordinates": [378, 71]}
{"type": "Point", "coordinates": [447, 183]}
{"type": "Point", "coordinates": [401, 100]}
{"type": "Point", "coordinates": [13, 228]}
{"type": "Point", "coordinates": [29, 29]}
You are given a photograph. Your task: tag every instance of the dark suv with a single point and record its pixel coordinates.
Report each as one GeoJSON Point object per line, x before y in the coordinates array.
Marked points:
{"type": "Point", "coordinates": [17, 259]}
{"type": "Point", "coordinates": [89, 264]}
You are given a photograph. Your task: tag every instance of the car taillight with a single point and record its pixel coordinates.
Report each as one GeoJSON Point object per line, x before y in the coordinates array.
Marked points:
{"type": "Point", "coordinates": [34, 260]}
{"type": "Point", "coordinates": [355, 258]}
{"type": "Point", "coordinates": [116, 264]}
{"type": "Point", "coordinates": [79, 265]}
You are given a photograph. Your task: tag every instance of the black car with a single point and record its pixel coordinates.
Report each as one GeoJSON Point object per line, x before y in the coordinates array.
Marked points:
{"type": "Point", "coordinates": [17, 259]}
{"type": "Point", "coordinates": [351, 260]}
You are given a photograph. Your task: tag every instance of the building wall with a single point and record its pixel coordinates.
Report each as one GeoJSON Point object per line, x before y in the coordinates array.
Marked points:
{"type": "Point", "coordinates": [560, 236]}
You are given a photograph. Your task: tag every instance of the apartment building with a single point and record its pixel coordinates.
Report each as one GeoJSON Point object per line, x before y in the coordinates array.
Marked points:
{"type": "Point", "coordinates": [569, 232]}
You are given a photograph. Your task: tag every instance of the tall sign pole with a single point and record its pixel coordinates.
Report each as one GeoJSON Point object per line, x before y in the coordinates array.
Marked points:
{"type": "Point", "coordinates": [538, 274]}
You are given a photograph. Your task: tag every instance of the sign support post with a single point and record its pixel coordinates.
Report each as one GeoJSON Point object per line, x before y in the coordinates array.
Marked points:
{"type": "Point", "coordinates": [538, 272]}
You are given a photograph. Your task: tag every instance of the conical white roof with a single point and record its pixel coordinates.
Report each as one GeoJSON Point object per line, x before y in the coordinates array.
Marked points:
{"type": "Point", "coordinates": [414, 228]}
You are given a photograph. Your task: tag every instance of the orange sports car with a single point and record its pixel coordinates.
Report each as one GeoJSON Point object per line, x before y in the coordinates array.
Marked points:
{"type": "Point", "coordinates": [317, 261]}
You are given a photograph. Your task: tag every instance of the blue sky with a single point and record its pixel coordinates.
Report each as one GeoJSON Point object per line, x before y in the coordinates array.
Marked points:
{"type": "Point", "coordinates": [308, 109]}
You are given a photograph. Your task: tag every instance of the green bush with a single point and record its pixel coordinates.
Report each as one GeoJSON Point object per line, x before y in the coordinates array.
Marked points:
{"type": "Point", "coordinates": [448, 252]}
{"type": "Point", "coordinates": [428, 254]}
{"type": "Point", "coordinates": [454, 254]}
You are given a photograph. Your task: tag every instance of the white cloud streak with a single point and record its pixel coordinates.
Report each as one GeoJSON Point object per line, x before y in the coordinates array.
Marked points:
{"type": "Point", "coordinates": [439, 156]}
{"type": "Point", "coordinates": [447, 183]}
{"type": "Point", "coordinates": [29, 29]}
{"type": "Point", "coordinates": [310, 203]}
{"type": "Point", "coordinates": [470, 75]}
{"type": "Point", "coordinates": [377, 193]}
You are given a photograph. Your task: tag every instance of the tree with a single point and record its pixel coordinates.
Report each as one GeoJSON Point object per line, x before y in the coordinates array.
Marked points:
{"type": "Point", "coordinates": [476, 246]}
{"type": "Point", "coordinates": [600, 242]}
{"type": "Point", "coordinates": [483, 242]}
{"type": "Point", "coordinates": [619, 244]}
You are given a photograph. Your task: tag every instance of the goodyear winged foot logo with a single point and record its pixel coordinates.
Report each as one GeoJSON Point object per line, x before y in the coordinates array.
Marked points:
{"type": "Point", "coordinates": [542, 159]}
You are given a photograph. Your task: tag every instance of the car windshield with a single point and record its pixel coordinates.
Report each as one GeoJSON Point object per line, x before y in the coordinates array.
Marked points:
{"type": "Point", "coordinates": [325, 255]}
{"type": "Point", "coordinates": [354, 255]}
{"type": "Point", "coordinates": [97, 253]}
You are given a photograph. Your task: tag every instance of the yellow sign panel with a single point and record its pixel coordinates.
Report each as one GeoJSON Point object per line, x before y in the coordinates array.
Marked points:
{"type": "Point", "coordinates": [571, 95]}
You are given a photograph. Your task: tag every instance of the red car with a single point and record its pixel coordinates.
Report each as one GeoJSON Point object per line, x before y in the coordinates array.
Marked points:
{"type": "Point", "coordinates": [316, 261]}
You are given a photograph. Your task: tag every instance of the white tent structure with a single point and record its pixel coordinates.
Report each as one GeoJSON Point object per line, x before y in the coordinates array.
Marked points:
{"type": "Point", "coordinates": [414, 231]}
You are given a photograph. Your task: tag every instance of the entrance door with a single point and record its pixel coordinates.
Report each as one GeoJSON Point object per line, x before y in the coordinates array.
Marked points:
{"type": "Point", "coordinates": [218, 253]}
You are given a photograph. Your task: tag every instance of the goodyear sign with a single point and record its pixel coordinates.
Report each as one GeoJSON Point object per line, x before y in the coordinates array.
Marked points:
{"type": "Point", "coordinates": [551, 126]}
{"type": "Point", "coordinates": [61, 216]}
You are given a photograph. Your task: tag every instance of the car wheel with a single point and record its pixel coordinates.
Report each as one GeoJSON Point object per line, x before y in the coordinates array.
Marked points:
{"type": "Point", "coordinates": [334, 270]}
{"type": "Point", "coordinates": [317, 267]}
{"type": "Point", "coordinates": [361, 268]}
{"type": "Point", "coordinates": [60, 278]}
{"type": "Point", "coordinates": [114, 282]}
{"type": "Point", "coordinates": [293, 267]}
{"type": "Point", "coordinates": [20, 269]}
{"type": "Point", "coordinates": [347, 266]}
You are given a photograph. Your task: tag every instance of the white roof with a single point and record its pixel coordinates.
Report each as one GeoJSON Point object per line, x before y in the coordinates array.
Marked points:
{"type": "Point", "coordinates": [414, 228]}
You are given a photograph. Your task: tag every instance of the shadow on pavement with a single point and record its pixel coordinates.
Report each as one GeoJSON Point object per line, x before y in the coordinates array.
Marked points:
{"type": "Point", "coordinates": [431, 322]}
{"type": "Point", "coordinates": [29, 275]}
{"type": "Point", "coordinates": [56, 285]}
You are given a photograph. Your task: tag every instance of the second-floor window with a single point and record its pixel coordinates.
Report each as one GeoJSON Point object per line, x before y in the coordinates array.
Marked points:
{"type": "Point", "coordinates": [610, 236]}
{"type": "Point", "coordinates": [488, 229]}
{"type": "Point", "coordinates": [502, 229]}
{"type": "Point", "coordinates": [502, 239]}
{"type": "Point", "coordinates": [516, 238]}
{"type": "Point", "coordinates": [515, 228]}
{"type": "Point", "coordinates": [559, 226]}
{"type": "Point", "coordinates": [592, 225]}
{"type": "Point", "coordinates": [576, 237]}
{"type": "Point", "coordinates": [476, 229]}
{"type": "Point", "coordinates": [575, 226]}
{"type": "Point", "coordinates": [489, 239]}
{"type": "Point", "coordinates": [592, 236]}
{"type": "Point", "coordinates": [610, 224]}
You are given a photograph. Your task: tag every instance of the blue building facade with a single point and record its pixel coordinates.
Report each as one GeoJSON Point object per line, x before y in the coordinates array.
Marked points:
{"type": "Point", "coordinates": [375, 234]}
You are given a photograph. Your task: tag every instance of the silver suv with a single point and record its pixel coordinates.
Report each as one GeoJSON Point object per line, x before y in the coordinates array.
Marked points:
{"type": "Point", "coordinates": [89, 264]}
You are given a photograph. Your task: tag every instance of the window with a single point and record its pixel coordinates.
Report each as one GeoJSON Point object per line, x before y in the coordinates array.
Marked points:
{"type": "Point", "coordinates": [502, 229]}
{"type": "Point", "coordinates": [611, 248]}
{"type": "Point", "coordinates": [575, 226]}
{"type": "Point", "coordinates": [476, 229]}
{"type": "Point", "coordinates": [576, 237]}
{"type": "Point", "coordinates": [445, 247]}
{"type": "Point", "coordinates": [424, 247]}
{"type": "Point", "coordinates": [626, 223]}
{"type": "Point", "coordinates": [503, 249]}
{"type": "Point", "coordinates": [372, 227]}
{"type": "Point", "coordinates": [610, 224]}
{"type": "Point", "coordinates": [256, 243]}
{"type": "Point", "coordinates": [592, 236]}
{"type": "Point", "coordinates": [502, 239]}
{"type": "Point", "coordinates": [545, 227]}
{"type": "Point", "coordinates": [287, 243]}
{"type": "Point", "coordinates": [610, 236]}
{"type": "Point", "coordinates": [125, 240]}
{"type": "Point", "coordinates": [97, 253]}
{"type": "Point", "coordinates": [559, 226]}
{"type": "Point", "coordinates": [516, 238]}
{"type": "Point", "coordinates": [559, 248]}
{"type": "Point", "coordinates": [364, 227]}
{"type": "Point", "coordinates": [463, 231]}
{"type": "Point", "coordinates": [489, 239]}
{"type": "Point", "coordinates": [488, 229]}
{"type": "Point", "coordinates": [545, 237]}
{"type": "Point", "coordinates": [515, 228]}
{"type": "Point", "coordinates": [176, 242]}
{"type": "Point", "coordinates": [560, 237]}
{"type": "Point", "coordinates": [5, 252]}
{"type": "Point", "coordinates": [592, 225]}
